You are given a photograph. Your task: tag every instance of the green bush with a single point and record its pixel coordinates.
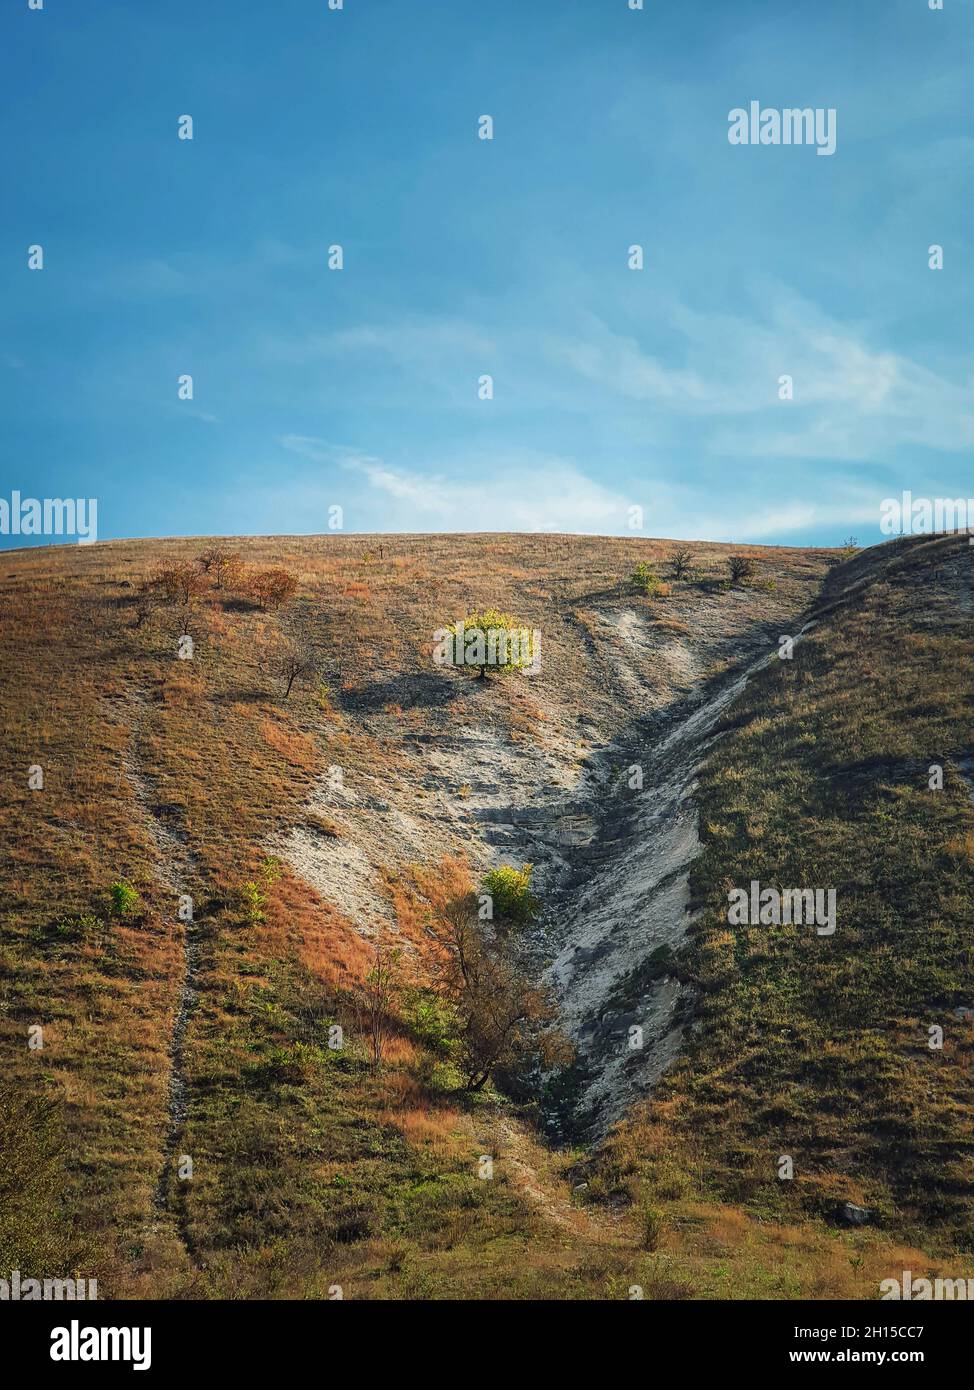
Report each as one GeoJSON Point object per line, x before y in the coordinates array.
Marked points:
{"type": "Point", "coordinates": [510, 891]}
{"type": "Point", "coordinates": [431, 1019]}
{"type": "Point", "coordinates": [645, 578]}
{"type": "Point", "coordinates": [124, 899]}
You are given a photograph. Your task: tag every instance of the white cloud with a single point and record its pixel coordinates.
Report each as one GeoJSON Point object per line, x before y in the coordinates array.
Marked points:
{"type": "Point", "coordinates": [851, 401]}
{"type": "Point", "coordinates": [514, 492]}
{"type": "Point", "coordinates": [540, 493]}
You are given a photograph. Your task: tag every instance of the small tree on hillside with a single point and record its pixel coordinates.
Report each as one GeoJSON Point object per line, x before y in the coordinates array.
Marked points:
{"type": "Point", "coordinates": [682, 563]}
{"type": "Point", "coordinates": [498, 1012]}
{"type": "Point", "coordinates": [176, 583]}
{"type": "Point", "coordinates": [271, 588]}
{"type": "Point", "coordinates": [742, 568]}
{"type": "Point", "coordinates": [290, 659]}
{"type": "Point", "coordinates": [146, 603]}
{"type": "Point", "coordinates": [380, 994]}
{"type": "Point", "coordinates": [224, 567]}
{"type": "Point", "coordinates": [645, 579]}
{"type": "Point", "coordinates": [488, 641]}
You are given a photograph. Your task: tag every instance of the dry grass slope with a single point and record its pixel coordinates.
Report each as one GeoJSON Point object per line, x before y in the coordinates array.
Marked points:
{"type": "Point", "coordinates": [310, 1168]}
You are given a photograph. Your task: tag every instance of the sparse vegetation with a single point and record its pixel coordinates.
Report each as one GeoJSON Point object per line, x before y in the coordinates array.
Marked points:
{"type": "Point", "coordinates": [251, 894]}
{"type": "Point", "coordinates": [825, 770]}
{"type": "Point", "coordinates": [682, 563]}
{"type": "Point", "coordinates": [653, 1226]}
{"type": "Point", "coordinates": [742, 568]}
{"type": "Point", "coordinates": [36, 1235]}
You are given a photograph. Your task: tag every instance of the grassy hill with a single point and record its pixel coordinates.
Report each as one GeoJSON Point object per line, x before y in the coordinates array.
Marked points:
{"type": "Point", "coordinates": [829, 774]}
{"type": "Point", "coordinates": [209, 1040]}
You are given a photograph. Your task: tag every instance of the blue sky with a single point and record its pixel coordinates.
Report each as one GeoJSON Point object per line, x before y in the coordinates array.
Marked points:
{"type": "Point", "coordinates": [358, 388]}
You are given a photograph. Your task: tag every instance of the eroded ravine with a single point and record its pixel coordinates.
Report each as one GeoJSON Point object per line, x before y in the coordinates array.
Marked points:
{"type": "Point", "coordinates": [618, 903]}
{"type": "Point", "coordinates": [609, 826]}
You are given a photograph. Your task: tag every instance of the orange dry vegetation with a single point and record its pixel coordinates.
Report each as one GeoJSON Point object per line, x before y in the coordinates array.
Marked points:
{"type": "Point", "coordinates": [326, 943]}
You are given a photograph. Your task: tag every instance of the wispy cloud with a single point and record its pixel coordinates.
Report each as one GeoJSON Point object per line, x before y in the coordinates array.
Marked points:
{"type": "Point", "coordinates": [851, 401]}
{"type": "Point", "coordinates": [523, 492]}
{"type": "Point", "coordinates": [534, 492]}
{"type": "Point", "coordinates": [414, 342]}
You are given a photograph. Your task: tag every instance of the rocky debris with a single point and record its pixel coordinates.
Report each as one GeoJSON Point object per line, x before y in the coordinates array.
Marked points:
{"type": "Point", "coordinates": [855, 1215]}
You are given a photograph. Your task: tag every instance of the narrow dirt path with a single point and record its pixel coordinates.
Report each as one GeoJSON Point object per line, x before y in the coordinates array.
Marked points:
{"type": "Point", "coordinates": [530, 1166]}
{"type": "Point", "coordinates": [177, 869]}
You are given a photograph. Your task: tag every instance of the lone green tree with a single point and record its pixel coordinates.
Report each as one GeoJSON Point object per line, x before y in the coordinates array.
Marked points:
{"type": "Point", "coordinates": [488, 641]}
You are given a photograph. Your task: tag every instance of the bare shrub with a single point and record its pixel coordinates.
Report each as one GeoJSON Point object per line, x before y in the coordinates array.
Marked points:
{"type": "Point", "coordinates": [380, 995]}
{"type": "Point", "coordinates": [290, 659]}
{"type": "Point", "coordinates": [682, 563]}
{"type": "Point", "coordinates": [271, 588]}
{"type": "Point", "coordinates": [176, 583]}
{"type": "Point", "coordinates": [500, 1016]}
{"type": "Point", "coordinates": [742, 568]}
{"type": "Point", "coordinates": [224, 567]}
